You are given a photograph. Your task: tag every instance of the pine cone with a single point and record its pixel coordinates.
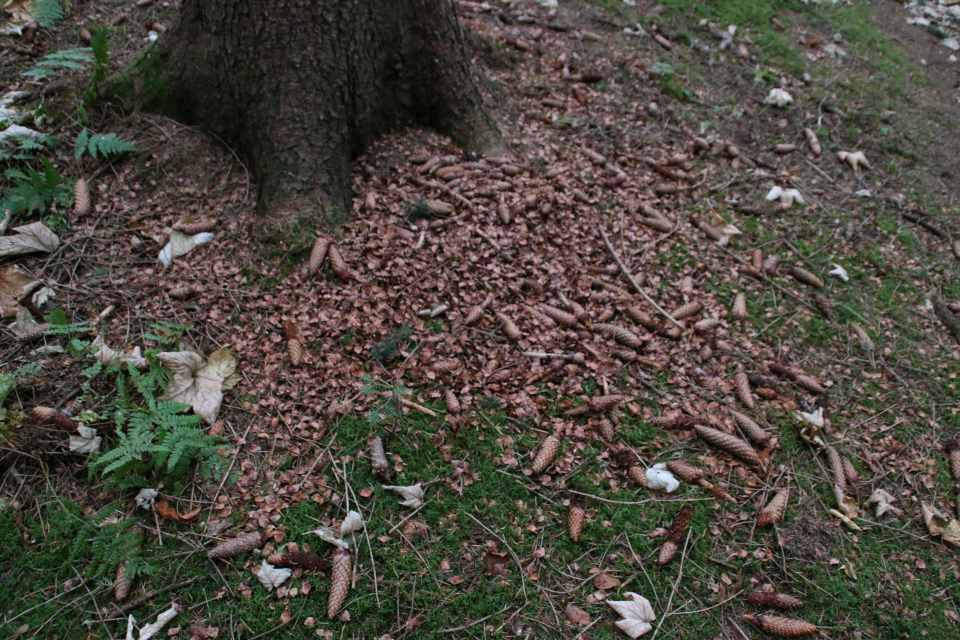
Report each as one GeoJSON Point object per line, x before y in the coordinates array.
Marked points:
{"type": "Point", "coordinates": [453, 404]}
{"type": "Point", "coordinates": [743, 390]}
{"type": "Point", "coordinates": [319, 253]}
{"type": "Point", "coordinates": [675, 535]}
{"type": "Point", "coordinates": [658, 223]}
{"type": "Point", "coordinates": [756, 274]}
{"type": "Point", "coordinates": [295, 351]}
{"type": "Point", "coordinates": [728, 443]}
{"type": "Point", "coordinates": [784, 372]}
{"type": "Point", "coordinates": [509, 326]}
{"type": "Point", "coordinates": [305, 561]}
{"type": "Point", "coordinates": [598, 405]}
{"type": "Point", "coordinates": [621, 335]}
{"type": "Point", "coordinates": [559, 316]}
{"type": "Point", "coordinates": [807, 278]}
{"type": "Point", "coordinates": [81, 198]}
{"type": "Point", "coordinates": [193, 228]}
{"type": "Point", "coordinates": [545, 455]}
{"type": "Point", "coordinates": [445, 366]}
{"type": "Point", "coordinates": [718, 492]}
{"type": "Point", "coordinates": [122, 583]}
{"type": "Point", "coordinates": [52, 415]}
{"type": "Point", "coordinates": [771, 514]}
{"type": "Point", "coordinates": [739, 306]}
{"type": "Point", "coordinates": [773, 600]}
{"type": "Point", "coordinates": [572, 305]}
{"type": "Point", "coordinates": [337, 263]}
{"type": "Point", "coordinates": [476, 312]}
{"type": "Point", "coordinates": [810, 384]}
{"type": "Point", "coordinates": [687, 310]}
{"type": "Point", "coordinates": [953, 451]}
{"type": "Point", "coordinates": [643, 318]}
{"type": "Point", "coordinates": [606, 430]}
{"type": "Point", "coordinates": [836, 469]}
{"type": "Point", "coordinates": [235, 546]}
{"type": "Point", "coordinates": [685, 471]}
{"type": "Point", "coordinates": [851, 474]}
{"type": "Point", "coordinates": [705, 325]}
{"type": "Point", "coordinates": [823, 305]}
{"type": "Point", "coordinates": [862, 336]}
{"type": "Point", "coordinates": [575, 521]}
{"type": "Point", "coordinates": [784, 627]}
{"type": "Point", "coordinates": [752, 430]}
{"type": "Point", "coordinates": [766, 393]}
{"type": "Point", "coordinates": [378, 459]}
{"type": "Point", "coordinates": [340, 582]}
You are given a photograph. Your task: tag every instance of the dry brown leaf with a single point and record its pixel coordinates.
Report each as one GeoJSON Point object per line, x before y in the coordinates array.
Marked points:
{"type": "Point", "coordinates": [605, 581]}
{"type": "Point", "coordinates": [496, 563]}
{"type": "Point", "coordinates": [14, 284]}
{"type": "Point", "coordinates": [167, 511]}
{"type": "Point", "coordinates": [577, 616]}
{"type": "Point", "coordinates": [196, 383]}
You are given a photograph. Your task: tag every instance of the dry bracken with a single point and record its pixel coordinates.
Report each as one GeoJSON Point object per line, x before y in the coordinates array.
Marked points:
{"type": "Point", "coordinates": [728, 443]}
{"type": "Point", "coordinates": [773, 512]}
{"type": "Point", "coordinates": [340, 582]}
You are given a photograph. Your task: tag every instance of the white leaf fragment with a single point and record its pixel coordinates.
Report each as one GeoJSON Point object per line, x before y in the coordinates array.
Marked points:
{"type": "Point", "coordinates": [154, 628]}
{"type": "Point", "coordinates": [412, 495]}
{"type": "Point", "coordinates": [778, 98]}
{"type": "Point", "coordinates": [181, 244]}
{"type": "Point", "coordinates": [271, 576]}
{"type": "Point", "coordinates": [660, 479]}
{"type": "Point", "coordinates": [146, 498]}
{"type": "Point", "coordinates": [196, 383]}
{"type": "Point", "coordinates": [353, 522]}
{"type": "Point", "coordinates": [884, 502]}
{"type": "Point", "coordinates": [87, 442]}
{"type": "Point", "coordinates": [106, 355]}
{"type": "Point", "coordinates": [637, 614]}
{"type": "Point", "coordinates": [840, 272]}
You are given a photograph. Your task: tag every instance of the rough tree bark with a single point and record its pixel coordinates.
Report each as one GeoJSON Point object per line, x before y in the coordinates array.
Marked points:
{"type": "Point", "coordinates": [300, 87]}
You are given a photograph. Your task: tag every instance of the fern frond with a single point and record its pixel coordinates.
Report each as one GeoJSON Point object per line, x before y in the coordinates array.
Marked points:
{"type": "Point", "coordinates": [47, 13]}
{"type": "Point", "coordinates": [107, 144]}
{"type": "Point", "coordinates": [65, 59]}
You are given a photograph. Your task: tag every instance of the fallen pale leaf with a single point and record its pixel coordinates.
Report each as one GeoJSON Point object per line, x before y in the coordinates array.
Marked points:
{"type": "Point", "coordinates": [196, 383]}
{"type": "Point", "coordinates": [29, 238]}
{"type": "Point", "coordinates": [146, 498]}
{"type": "Point", "coordinates": [637, 614]}
{"type": "Point", "coordinates": [154, 628]}
{"type": "Point", "coordinates": [87, 442]}
{"type": "Point", "coordinates": [271, 576]}
{"type": "Point", "coordinates": [412, 495]}
{"type": "Point", "coordinates": [170, 513]}
{"type": "Point", "coordinates": [884, 501]}
{"type": "Point", "coordinates": [181, 244]}
{"type": "Point", "coordinates": [605, 581]}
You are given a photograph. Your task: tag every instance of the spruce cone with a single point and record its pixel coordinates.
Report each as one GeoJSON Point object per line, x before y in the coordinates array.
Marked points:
{"type": "Point", "coordinates": [235, 546]}
{"type": "Point", "coordinates": [743, 390]}
{"type": "Point", "coordinates": [476, 312]}
{"type": "Point", "coordinates": [52, 415]}
{"type": "Point", "coordinates": [784, 372]}
{"type": "Point", "coordinates": [773, 600]}
{"type": "Point", "coordinates": [572, 305]}
{"type": "Point", "coordinates": [606, 430]}
{"type": "Point", "coordinates": [862, 336]}
{"type": "Point", "coordinates": [822, 303]}
{"type": "Point", "coordinates": [122, 583]}
{"type": "Point", "coordinates": [807, 278]}
{"type": "Point", "coordinates": [771, 514]}
{"type": "Point", "coordinates": [559, 316]}
{"type": "Point", "coordinates": [337, 263]}
{"type": "Point", "coordinates": [305, 561]}
{"type": "Point", "coordinates": [621, 335]}
{"type": "Point", "coordinates": [643, 318]}
{"type": "Point", "coordinates": [836, 469]}
{"type": "Point", "coordinates": [340, 583]}
{"type": "Point", "coordinates": [851, 474]}
{"type": "Point", "coordinates": [509, 327]}
{"type": "Point", "coordinates": [953, 451]}
{"type": "Point", "coordinates": [193, 228]}
{"type": "Point", "coordinates": [707, 324]}
{"type": "Point", "coordinates": [756, 274]}
{"type": "Point", "coordinates": [445, 366]}
{"type": "Point", "coordinates": [453, 405]}
{"type": "Point", "coordinates": [658, 223]}
{"type": "Point", "coordinates": [810, 384]}
{"type": "Point", "coordinates": [728, 443]}
{"type": "Point", "coordinates": [545, 455]}
{"type": "Point", "coordinates": [685, 471]}
{"type": "Point", "coordinates": [687, 310]}
{"type": "Point", "coordinates": [81, 198]}
{"type": "Point", "coordinates": [638, 474]}
{"type": "Point", "coordinates": [675, 536]}
{"type": "Point", "coordinates": [739, 306]}
{"type": "Point", "coordinates": [752, 430]}
{"type": "Point", "coordinates": [598, 405]}
{"type": "Point", "coordinates": [378, 459]}
{"type": "Point", "coordinates": [319, 253]}
{"type": "Point", "coordinates": [295, 351]}
{"type": "Point", "coordinates": [575, 520]}
{"type": "Point", "coordinates": [784, 627]}
{"type": "Point", "coordinates": [718, 492]}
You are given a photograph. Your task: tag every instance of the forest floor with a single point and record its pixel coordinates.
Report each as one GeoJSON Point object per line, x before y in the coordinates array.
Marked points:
{"type": "Point", "coordinates": [643, 134]}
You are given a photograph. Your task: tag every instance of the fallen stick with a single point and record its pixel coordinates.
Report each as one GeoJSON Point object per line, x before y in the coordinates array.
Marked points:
{"type": "Point", "coordinates": [130, 606]}
{"type": "Point", "coordinates": [636, 286]}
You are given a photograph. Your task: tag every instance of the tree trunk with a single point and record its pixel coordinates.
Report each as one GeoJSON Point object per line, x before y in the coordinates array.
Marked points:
{"type": "Point", "coordinates": [300, 87]}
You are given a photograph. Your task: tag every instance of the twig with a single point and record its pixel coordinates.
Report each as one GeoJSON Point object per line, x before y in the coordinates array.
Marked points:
{"type": "Point", "coordinates": [475, 622]}
{"type": "Point", "coordinates": [127, 608]}
{"type": "Point", "coordinates": [666, 611]}
{"type": "Point", "coordinates": [636, 286]}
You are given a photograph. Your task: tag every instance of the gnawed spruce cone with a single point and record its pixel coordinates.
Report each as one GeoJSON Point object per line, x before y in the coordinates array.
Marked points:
{"type": "Point", "coordinates": [728, 443]}
{"type": "Point", "coordinates": [773, 512]}
{"type": "Point", "coordinates": [953, 451]}
{"type": "Point", "coordinates": [235, 546]}
{"type": "Point", "coordinates": [305, 561]}
{"type": "Point", "coordinates": [743, 390]}
{"type": "Point", "coordinates": [751, 429]}
{"type": "Point", "coordinates": [675, 536]}
{"type": "Point", "coordinates": [739, 311]}
{"type": "Point", "coordinates": [773, 600]}
{"type": "Point", "coordinates": [836, 468]}
{"type": "Point", "coordinates": [545, 455]}
{"type": "Point", "coordinates": [784, 627]}
{"type": "Point", "coordinates": [57, 417]}
{"type": "Point", "coordinates": [378, 460]}
{"type": "Point", "coordinates": [598, 405]}
{"type": "Point", "coordinates": [340, 582]}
